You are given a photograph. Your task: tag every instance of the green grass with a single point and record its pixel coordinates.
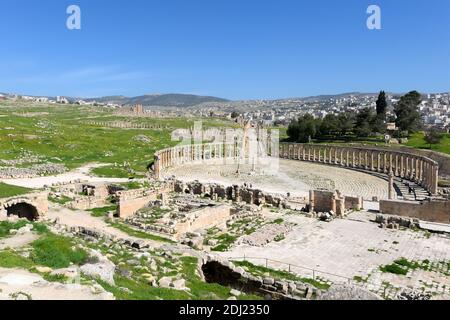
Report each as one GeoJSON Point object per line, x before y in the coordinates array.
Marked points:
{"type": "Point", "coordinates": [61, 200]}
{"type": "Point", "coordinates": [6, 227]}
{"type": "Point", "coordinates": [11, 259]}
{"type": "Point", "coordinates": [57, 252]}
{"type": "Point", "coordinates": [402, 266]}
{"type": "Point", "coordinates": [7, 190]}
{"type": "Point", "coordinates": [279, 274]}
{"type": "Point", "coordinates": [417, 141]}
{"type": "Point", "coordinates": [63, 137]}
{"type": "Point", "coordinates": [278, 221]}
{"type": "Point", "coordinates": [359, 279]}
{"type": "Point", "coordinates": [102, 212]}
{"type": "Point", "coordinates": [199, 290]}
{"type": "Point", "coordinates": [395, 269]}
{"type": "Point", "coordinates": [136, 233]}
{"type": "Point", "coordinates": [225, 242]}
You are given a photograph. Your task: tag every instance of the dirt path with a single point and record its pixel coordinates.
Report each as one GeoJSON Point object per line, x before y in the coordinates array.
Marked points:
{"type": "Point", "coordinates": [79, 218]}
{"type": "Point", "coordinates": [16, 283]}
{"type": "Point", "coordinates": [82, 173]}
{"type": "Point", "coordinates": [18, 241]}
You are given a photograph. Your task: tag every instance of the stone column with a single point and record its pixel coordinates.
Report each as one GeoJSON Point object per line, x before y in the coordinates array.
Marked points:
{"type": "Point", "coordinates": [391, 186]}
{"type": "Point", "coordinates": [158, 167]}
{"type": "Point", "coordinates": [311, 201]}
{"type": "Point", "coordinates": [417, 173]}
{"type": "Point", "coordinates": [372, 160]}
{"type": "Point", "coordinates": [420, 171]}
{"type": "Point", "coordinates": [435, 179]}
{"type": "Point", "coordinates": [333, 203]}
{"type": "Point", "coordinates": [366, 160]}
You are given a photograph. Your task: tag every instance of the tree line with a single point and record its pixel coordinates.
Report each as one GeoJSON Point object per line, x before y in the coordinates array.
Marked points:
{"type": "Point", "coordinates": [364, 123]}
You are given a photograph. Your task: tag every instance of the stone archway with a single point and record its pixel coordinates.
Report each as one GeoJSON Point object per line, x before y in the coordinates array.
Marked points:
{"type": "Point", "coordinates": [23, 210]}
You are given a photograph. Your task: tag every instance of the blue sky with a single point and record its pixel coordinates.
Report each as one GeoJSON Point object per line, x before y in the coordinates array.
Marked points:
{"type": "Point", "coordinates": [237, 49]}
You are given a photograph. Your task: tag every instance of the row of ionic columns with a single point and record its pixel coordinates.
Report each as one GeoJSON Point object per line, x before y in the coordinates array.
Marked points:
{"type": "Point", "coordinates": [180, 155]}
{"type": "Point", "coordinates": [420, 170]}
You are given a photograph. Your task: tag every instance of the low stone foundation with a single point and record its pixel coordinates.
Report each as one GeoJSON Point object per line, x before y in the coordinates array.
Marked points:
{"type": "Point", "coordinates": [132, 201]}
{"type": "Point", "coordinates": [428, 210]}
{"type": "Point", "coordinates": [234, 193]}
{"type": "Point", "coordinates": [327, 201]}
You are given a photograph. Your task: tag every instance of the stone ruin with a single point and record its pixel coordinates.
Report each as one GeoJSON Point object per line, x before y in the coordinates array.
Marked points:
{"type": "Point", "coordinates": [84, 195]}
{"type": "Point", "coordinates": [233, 193]}
{"type": "Point", "coordinates": [36, 170]}
{"type": "Point", "coordinates": [327, 205]}
{"type": "Point", "coordinates": [182, 216]}
{"type": "Point", "coordinates": [31, 206]}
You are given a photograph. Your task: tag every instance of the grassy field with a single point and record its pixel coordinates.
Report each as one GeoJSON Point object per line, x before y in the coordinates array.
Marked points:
{"type": "Point", "coordinates": [417, 141]}
{"type": "Point", "coordinates": [59, 134]}
{"type": "Point", "coordinates": [7, 190]}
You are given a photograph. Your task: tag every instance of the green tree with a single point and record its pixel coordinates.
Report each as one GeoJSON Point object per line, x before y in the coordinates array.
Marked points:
{"type": "Point", "coordinates": [381, 105]}
{"type": "Point", "coordinates": [307, 128]}
{"type": "Point", "coordinates": [363, 122]}
{"type": "Point", "coordinates": [293, 131]}
{"type": "Point", "coordinates": [329, 125]}
{"type": "Point", "coordinates": [407, 112]}
{"type": "Point", "coordinates": [433, 137]}
{"type": "Point", "coordinates": [304, 129]}
{"type": "Point", "coordinates": [346, 123]}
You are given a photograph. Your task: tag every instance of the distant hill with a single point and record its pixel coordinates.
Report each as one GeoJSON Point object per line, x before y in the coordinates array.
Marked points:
{"type": "Point", "coordinates": [163, 100]}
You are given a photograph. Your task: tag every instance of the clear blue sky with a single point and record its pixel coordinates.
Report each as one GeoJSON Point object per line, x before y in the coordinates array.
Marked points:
{"type": "Point", "coordinates": [236, 49]}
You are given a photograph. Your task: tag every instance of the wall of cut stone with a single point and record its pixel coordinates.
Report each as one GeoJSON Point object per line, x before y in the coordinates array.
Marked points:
{"type": "Point", "coordinates": [354, 203]}
{"type": "Point", "coordinates": [37, 200]}
{"type": "Point", "coordinates": [204, 219]}
{"type": "Point", "coordinates": [234, 193]}
{"type": "Point", "coordinates": [432, 211]}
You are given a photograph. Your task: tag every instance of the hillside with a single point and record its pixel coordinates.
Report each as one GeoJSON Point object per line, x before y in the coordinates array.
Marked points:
{"type": "Point", "coordinates": [163, 100]}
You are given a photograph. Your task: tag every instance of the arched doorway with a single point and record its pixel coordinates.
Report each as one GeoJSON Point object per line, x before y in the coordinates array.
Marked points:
{"type": "Point", "coordinates": [23, 210]}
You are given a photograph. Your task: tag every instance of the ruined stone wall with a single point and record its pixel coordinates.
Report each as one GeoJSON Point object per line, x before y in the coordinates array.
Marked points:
{"type": "Point", "coordinates": [204, 219]}
{"type": "Point", "coordinates": [327, 201]}
{"type": "Point", "coordinates": [234, 193]}
{"type": "Point", "coordinates": [87, 203]}
{"type": "Point", "coordinates": [322, 201]}
{"type": "Point", "coordinates": [132, 201]}
{"type": "Point", "coordinates": [432, 211]}
{"type": "Point", "coordinates": [126, 125]}
{"type": "Point", "coordinates": [37, 200]}
{"type": "Point", "coordinates": [354, 203]}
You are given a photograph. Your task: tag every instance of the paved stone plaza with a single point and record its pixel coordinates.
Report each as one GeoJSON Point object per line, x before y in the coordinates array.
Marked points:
{"type": "Point", "coordinates": [296, 177]}
{"type": "Point", "coordinates": [357, 247]}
